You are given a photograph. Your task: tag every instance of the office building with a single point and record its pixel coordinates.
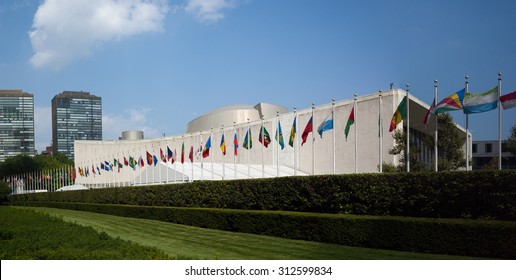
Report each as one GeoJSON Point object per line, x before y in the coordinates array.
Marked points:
{"type": "Point", "coordinates": [75, 116]}
{"type": "Point", "coordinates": [485, 156]}
{"type": "Point", "coordinates": [16, 124]}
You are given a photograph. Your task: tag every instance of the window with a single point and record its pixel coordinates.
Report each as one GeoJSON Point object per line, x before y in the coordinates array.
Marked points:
{"type": "Point", "coordinates": [489, 148]}
{"type": "Point", "coordinates": [474, 148]}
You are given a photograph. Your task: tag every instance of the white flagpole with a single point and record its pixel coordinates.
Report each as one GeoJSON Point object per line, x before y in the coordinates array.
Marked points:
{"type": "Point", "coordinates": [224, 156]}
{"type": "Point", "coordinates": [182, 156]}
{"type": "Point", "coordinates": [408, 128]}
{"type": "Point", "coordinates": [356, 135]}
{"type": "Point", "coordinates": [296, 142]}
{"type": "Point", "coordinates": [499, 122]}
{"type": "Point", "coordinates": [166, 158]}
{"type": "Point", "coordinates": [234, 153]}
{"type": "Point", "coordinates": [211, 156]}
{"type": "Point", "coordinates": [248, 150]}
{"type": "Point", "coordinates": [278, 144]}
{"type": "Point", "coordinates": [380, 132]}
{"type": "Point", "coordinates": [467, 126]}
{"type": "Point", "coordinates": [436, 150]}
{"type": "Point", "coordinates": [333, 130]}
{"type": "Point", "coordinates": [313, 140]}
{"type": "Point", "coordinates": [263, 148]}
{"type": "Point", "coordinates": [202, 158]}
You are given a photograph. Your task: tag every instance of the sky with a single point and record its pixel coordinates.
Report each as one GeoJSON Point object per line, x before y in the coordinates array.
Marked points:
{"type": "Point", "coordinates": [158, 64]}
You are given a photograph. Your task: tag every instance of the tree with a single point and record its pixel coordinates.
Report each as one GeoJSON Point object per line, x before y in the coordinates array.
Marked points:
{"type": "Point", "coordinates": [400, 140]}
{"type": "Point", "coordinates": [510, 144]}
{"type": "Point", "coordinates": [53, 161]}
{"type": "Point", "coordinates": [23, 164]}
{"type": "Point", "coordinates": [451, 156]}
{"type": "Point", "coordinates": [5, 191]}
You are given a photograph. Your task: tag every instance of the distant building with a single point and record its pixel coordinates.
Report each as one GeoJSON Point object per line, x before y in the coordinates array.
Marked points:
{"type": "Point", "coordinates": [16, 123]}
{"type": "Point", "coordinates": [485, 154]}
{"type": "Point", "coordinates": [75, 116]}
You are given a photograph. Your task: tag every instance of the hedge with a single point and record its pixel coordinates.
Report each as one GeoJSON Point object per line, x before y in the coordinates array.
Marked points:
{"type": "Point", "coordinates": [477, 238]}
{"type": "Point", "coordinates": [479, 194]}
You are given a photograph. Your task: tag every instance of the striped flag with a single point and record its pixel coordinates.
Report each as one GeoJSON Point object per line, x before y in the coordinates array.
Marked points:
{"type": "Point", "coordinates": [279, 136]}
{"type": "Point", "coordinates": [308, 128]}
{"type": "Point", "coordinates": [481, 102]}
{"type": "Point", "coordinates": [399, 114]}
{"type": "Point", "coordinates": [508, 100]}
{"type": "Point", "coordinates": [450, 103]}
{"type": "Point", "coordinates": [292, 133]}
{"type": "Point", "coordinates": [430, 110]}
{"type": "Point", "coordinates": [351, 121]}
{"type": "Point", "coordinates": [223, 145]}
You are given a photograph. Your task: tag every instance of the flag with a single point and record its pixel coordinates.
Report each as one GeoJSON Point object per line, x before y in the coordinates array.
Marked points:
{"type": "Point", "coordinates": [450, 103]}
{"type": "Point", "coordinates": [126, 163]}
{"type": "Point", "coordinates": [149, 159]}
{"type": "Point", "coordinates": [132, 162]}
{"type": "Point", "coordinates": [264, 137]}
{"type": "Point", "coordinates": [292, 133]}
{"type": "Point", "coordinates": [107, 165]}
{"type": "Point", "coordinates": [155, 159]}
{"type": "Point", "coordinates": [223, 145]}
{"type": "Point", "coordinates": [508, 100]}
{"type": "Point", "coordinates": [327, 124]}
{"type": "Point", "coordinates": [351, 121]}
{"type": "Point", "coordinates": [235, 144]}
{"type": "Point", "coordinates": [191, 154]}
{"type": "Point", "coordinates": [169, 154]}
{"type": "Point", "coordinates": [308, 128]}
{"type": "Point", "coordinates": [183, 153]}
{"type": "Point", "coordinates": [481, 102]}
{"type": "Point", "coordinates": [399, 114]}
{"type": "Point", "coordinates": [279, 136]}
{"type": "Point", "coordinates": [248, 140]}
{"type": "Point", "coordinates": [430, 110]}
{"type": "Point", "coordinates": [141, 162]}
{"type": "Point", "coordinates": [206, 150]}
{"type": "Point", "coordinates": [162, 155]}
{"type": "Point", "coordinates": [98, 170]}
{"type": "Point", "coordinates": [93, 169]}
{"type": "Point", "coordinates": [174, 156]}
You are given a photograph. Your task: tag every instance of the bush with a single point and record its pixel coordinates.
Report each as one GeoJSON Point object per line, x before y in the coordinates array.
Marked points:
{"type": "Point", "coordinates": [477, 238]}
{"type": "Point", "coordinates": [5, 191]}
{"type": "Point", "coordinates": [479, 194]}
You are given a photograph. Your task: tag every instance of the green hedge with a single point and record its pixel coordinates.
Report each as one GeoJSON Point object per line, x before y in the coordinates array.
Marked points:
{"type": "Point", "coordinates": [479, 194]}
{"type": "Point", "coordinates": [478, 238]}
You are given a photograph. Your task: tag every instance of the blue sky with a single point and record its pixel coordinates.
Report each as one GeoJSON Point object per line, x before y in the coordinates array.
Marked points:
{"type": "Point", "coordinates": [158, 64]}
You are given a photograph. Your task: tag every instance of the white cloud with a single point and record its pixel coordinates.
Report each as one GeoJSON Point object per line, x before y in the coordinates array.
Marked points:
{"type": "Point", "coordinates": [208, 10]}
{"type": "Point", "coordinates": [64, 31]}
{"type": "Point", "coordinates": [130, 119]}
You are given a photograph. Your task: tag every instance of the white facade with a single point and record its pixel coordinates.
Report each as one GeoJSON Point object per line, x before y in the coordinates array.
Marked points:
{"type": "Point", "coordinates": [333, 154]}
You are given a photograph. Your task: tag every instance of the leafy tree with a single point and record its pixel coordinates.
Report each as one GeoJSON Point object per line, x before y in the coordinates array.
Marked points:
{"type": "Point", "coordinates": [451, 156]}
{"type": "Point", "coordinates": [17, 165]}
{"type": "Point", "coordinates": [510, 144]}
{"type": "Point", "coordinates": [55, 160]}
{"type": "Point", "coordinates": [4, 191]}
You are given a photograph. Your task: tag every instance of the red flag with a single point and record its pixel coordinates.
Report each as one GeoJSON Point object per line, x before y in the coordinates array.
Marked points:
{"type": "Point", "coordinates": [235, 142]}
{"type": "Point", "coordinates": [149, 159]}
{"type": "Point", "coordinates": [183, 153]}
{"type": "Point", "coordinates": [430, 110]}
{"type": "Point", "coordinates": [191, 154]}
{"type": "Point", "coordinates": [308, 129]}
{"type": "Point", "coordinates": [126, 163]}
{"type": "Point", "coordinates": [162, 156]}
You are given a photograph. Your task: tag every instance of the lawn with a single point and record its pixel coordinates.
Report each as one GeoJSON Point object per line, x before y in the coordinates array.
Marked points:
{"type": "Point", "coordinates": [187, 242]}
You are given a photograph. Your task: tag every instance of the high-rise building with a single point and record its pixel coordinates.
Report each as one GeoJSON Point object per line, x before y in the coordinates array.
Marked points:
{"type": "Point", "coordinates": [16, 123]}
{"type": "Point", "coordinates": [76, 115]}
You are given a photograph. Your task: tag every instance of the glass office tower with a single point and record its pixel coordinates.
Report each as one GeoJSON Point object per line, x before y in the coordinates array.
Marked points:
{"type": "Point", "coordinates": [76, 115]}
{"type": "Point", "coordinates": [16, 123]}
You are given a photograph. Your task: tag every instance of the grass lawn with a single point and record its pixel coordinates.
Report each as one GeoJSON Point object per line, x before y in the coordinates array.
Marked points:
{"type": "Point", "coordinates": [187, 242]}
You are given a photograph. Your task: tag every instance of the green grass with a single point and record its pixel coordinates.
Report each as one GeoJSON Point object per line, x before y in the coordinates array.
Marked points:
{"type": "Point", "coordinates": [25, 234]}
{"type": "Point", "coordinates": [180, 241]}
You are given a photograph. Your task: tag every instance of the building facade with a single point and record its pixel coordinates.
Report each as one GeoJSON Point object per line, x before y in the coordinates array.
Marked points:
{"type": "Point", "coordinates": [485, 156]}
{"type": "Point", "coordinates": [16, 124]}
{"type": "Point", "coordinates": [75, 116]}
{"type": "Point", "coordinates": [226, 131]}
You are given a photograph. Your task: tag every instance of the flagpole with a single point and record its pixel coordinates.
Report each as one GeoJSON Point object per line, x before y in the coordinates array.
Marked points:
{"type": "Point", "coordinates": [263, 147]}
{"type": "Point", "coordinates": [467, 126]}
{"type": "Point", "coordinates": [248, 150]}
{"type": "Point", "coordinates": [499, 122]}
{"type": "Point", "coordinates": [333, 130]}
{"type": "Point", "coordinates": [202, 158]}
{"type": "Point", "coordinates": [356, 137]}
{"type": "Point", "coordinates": [278, 146]}
{"type": "Point", "coordinates": [296, 142]}
{"type": "Point", "coordinates": [380, 132]}
{"type": "Point", "coordinates": [166, 158]}
{"type": "Point", "coordinates": [408, 128]}
{"type": "Point", "coordinates": [313, 141]}
{"type": "Point", "coordinates": [211, 156]}
{"type": "Point", "coordinates": [224, 156]}
{"type": "Point", "coordinates": [436, 151]}
{"type": "Point", "coordinates": [235, 149]}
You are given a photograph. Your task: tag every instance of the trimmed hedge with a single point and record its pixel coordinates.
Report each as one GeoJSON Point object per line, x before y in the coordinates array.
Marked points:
{"type": "Point", "coordinates": [477, 238]}
{"type": "Point", "coordinates": [479, 194]}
